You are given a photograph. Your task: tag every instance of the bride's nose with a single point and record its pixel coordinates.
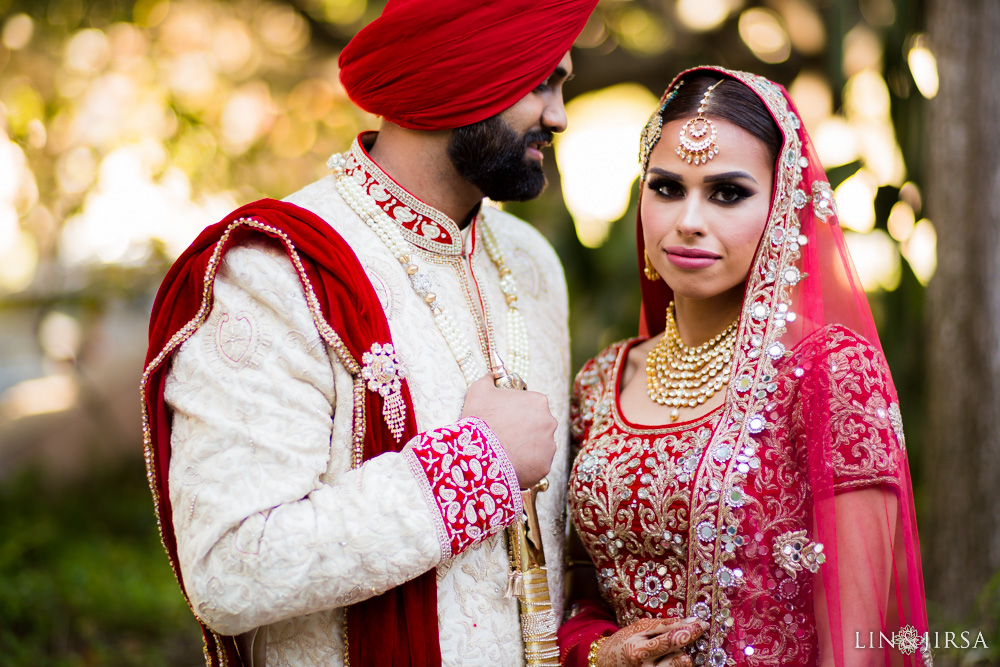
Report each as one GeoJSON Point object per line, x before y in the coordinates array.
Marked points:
{"type": "Point", "coordinates": [692, 218]}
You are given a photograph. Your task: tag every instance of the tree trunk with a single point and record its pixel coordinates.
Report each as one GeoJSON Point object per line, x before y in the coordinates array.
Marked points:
{"type": "Point", "coordinates": [961, 534]}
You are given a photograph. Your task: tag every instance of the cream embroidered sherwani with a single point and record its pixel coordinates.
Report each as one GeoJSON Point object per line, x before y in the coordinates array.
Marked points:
{"type": "Point", "coordinates": [273, 526]}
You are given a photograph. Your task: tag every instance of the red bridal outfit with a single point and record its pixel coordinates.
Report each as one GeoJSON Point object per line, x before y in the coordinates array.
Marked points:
{"type": "Point", "coordinates": [784, 518]}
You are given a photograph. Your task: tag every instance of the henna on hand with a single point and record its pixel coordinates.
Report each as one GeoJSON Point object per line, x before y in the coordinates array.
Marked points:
{"type": "Point", "coordinates": [648, 639]}
{"type": "Point", "coordinates": [678, 660]}
{"type": "Point", "coordinates": [673, 639]}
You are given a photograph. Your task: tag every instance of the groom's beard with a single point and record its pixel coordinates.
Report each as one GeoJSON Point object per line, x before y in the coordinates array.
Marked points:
{"type": "Point", "coordinates": [491, 156]}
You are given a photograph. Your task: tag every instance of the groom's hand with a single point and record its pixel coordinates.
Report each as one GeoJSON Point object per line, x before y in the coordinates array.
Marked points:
{"type": "Point", "coordinates": [522, 422]}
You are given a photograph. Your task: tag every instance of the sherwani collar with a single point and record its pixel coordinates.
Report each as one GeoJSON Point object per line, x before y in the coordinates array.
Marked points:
{"type": "Point", "coordinates": [422, 225]}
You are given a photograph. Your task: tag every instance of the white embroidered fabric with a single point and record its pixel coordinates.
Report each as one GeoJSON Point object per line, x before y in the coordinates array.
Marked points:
{"type": "Point", "coordinates": [261, 537]}
{"type": "Point", "coordinates": [273, 527]}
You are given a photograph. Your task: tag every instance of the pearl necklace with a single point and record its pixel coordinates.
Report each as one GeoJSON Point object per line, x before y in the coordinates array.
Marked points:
{"type": "Point", "coordinates": [458, 340]}
{"type": "Point", "coordinates": [680, 376]}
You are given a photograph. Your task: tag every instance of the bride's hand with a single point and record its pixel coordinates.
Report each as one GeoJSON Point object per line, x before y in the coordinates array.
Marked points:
{"type": "Point", "coordinates": [651, 642]}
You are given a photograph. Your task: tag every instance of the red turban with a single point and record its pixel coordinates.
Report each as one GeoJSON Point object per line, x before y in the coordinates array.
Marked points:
{"type": "Point", "coordinates": [442, 64]}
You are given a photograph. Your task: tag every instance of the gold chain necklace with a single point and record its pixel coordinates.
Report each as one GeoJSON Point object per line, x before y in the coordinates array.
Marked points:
{"type": "Point", "coordinates": [679, 376]}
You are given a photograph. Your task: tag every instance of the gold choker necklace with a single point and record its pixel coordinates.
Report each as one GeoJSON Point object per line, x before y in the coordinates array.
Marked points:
{"type": "Point", "coordinates": [679, 376]}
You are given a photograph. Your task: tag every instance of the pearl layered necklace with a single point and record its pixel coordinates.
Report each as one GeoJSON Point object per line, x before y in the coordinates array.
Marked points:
{"type": "Point", "coordinates": [389, 233]}
{"type": "Point", "coordinates": [679, 376]}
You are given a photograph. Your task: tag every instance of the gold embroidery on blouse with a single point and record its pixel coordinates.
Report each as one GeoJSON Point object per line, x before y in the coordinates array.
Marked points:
{"type": "Point", "coordinates": [794, 552]}
{"type": "Point", "coordinates": [775, 469]}
{"type": "Point", "coordinates": [641, 529]}
{"type": "Point", "coordinates": [855, 367]}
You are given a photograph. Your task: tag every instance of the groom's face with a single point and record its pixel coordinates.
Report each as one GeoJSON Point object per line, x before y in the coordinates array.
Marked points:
{"type": "Point", "coordinates": [502, 155]}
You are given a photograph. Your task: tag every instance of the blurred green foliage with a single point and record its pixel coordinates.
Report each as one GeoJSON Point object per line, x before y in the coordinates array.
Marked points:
{"type": "Point", "coordinates": [84, 579]}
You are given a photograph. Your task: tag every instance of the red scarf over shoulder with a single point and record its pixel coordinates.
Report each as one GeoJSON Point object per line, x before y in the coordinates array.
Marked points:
{"type": "Point", "coordinates": [399, 627]}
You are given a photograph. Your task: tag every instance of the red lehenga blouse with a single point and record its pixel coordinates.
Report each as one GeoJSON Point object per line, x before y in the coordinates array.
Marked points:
{"type": "Point", "coordinates": [638, 495]}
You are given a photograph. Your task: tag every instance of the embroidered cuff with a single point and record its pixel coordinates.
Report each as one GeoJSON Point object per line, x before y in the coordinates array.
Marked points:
{"type": "Point", "coordinates": [467, 480]}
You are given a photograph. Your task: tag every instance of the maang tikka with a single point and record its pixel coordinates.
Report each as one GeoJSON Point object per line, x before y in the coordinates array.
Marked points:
{"type": "Point", "coordinates": [697, 137]}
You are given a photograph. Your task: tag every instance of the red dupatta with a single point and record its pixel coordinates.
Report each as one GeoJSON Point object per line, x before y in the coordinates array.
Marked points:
{"type": "Point", "coordinates": [399, 627]}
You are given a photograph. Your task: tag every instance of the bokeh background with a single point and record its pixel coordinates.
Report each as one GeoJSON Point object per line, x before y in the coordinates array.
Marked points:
{"type": "Point", "coordinates": [126, 127]}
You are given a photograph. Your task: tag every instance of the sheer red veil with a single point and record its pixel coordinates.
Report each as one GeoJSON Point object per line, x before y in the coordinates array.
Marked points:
{"type": "Point", "coordinates": [808, 379]}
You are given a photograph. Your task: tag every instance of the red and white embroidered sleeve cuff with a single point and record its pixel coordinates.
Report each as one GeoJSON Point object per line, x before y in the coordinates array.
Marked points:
{"type": "Point", "coordinates": [467, 480]}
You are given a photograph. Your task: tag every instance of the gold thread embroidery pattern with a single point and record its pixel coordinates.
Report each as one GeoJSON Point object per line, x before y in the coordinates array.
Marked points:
{"type": "Point", "coordinates": [862, 417]}
{"type": "Point", "coordinates": [630, 492]}
{"type": "Point", "coordinates": [330, 336]}
{"type": "Point", "coordinates": [795, 552]}
{"type": "Point", "coordinates": [775, 499]}
{"type": "Point", "coordinates": [589, 405]}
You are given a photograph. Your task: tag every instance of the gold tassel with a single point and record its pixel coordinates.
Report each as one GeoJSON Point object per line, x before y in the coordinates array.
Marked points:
{"type": "Point", "coordinates": [527, 580]}
{"type": "Point", "coordinates": [515, 584]}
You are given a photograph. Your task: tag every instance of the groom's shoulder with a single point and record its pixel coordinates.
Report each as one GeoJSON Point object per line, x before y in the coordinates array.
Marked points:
{"type": "Point", "coordinates": [519, 235]}
{"type": "Point", "coordinates": [322, 198]}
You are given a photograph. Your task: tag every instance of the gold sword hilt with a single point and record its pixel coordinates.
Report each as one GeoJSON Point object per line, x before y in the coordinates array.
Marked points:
{"type": "Point", "coordinates": [504, 380]}
{"type": "Point", "coordinates": [528, 580]}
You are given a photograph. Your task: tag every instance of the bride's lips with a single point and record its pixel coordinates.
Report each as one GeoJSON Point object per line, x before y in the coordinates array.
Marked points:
{"type": "Point", "coordinates": [690, 258]}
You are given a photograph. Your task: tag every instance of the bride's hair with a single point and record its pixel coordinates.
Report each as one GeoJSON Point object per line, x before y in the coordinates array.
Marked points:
{"type": "Point", "coordinates": [732, 101]}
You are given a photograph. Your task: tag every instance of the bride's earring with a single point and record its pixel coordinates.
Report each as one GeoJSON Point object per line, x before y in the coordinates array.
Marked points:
{"type": "Point", "coordinates": [648, 270]}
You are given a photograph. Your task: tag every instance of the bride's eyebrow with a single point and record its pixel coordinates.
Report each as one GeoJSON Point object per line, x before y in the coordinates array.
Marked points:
{"type": "Point", "coordinates": [729, 176]}
{"type": "Point", "coordinates": [666, 174]}
{"type": "Point", "coordinates": [711, 178]}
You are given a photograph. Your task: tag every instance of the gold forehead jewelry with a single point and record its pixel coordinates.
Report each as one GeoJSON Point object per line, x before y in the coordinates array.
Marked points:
{"type": "Point", "coordinates": [651, 133]}
{"type": "Point", "coordinates": [697, 137]}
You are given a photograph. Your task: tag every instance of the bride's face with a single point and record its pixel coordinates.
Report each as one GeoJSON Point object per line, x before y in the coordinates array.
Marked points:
{"type": "Point", "coordinates": [701, 224]}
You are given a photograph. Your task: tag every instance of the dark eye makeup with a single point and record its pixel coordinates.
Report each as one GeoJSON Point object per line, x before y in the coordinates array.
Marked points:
{"type": "Point", "coordinates": [667, 187]}
{"type": "Point", "coordinates": [725, 192]}
{"type": "Point", "coordinates": [730, 193]}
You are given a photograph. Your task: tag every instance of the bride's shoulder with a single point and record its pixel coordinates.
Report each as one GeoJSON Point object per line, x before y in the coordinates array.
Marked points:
{"type": "Point", "coordinates": [835, 339]}
{"type": "Point", "coordinates": [593, 387]}
{"type": "Point", "coordinates": [838, 354]}
{"type": "Point", "coordinates": [599, 368]}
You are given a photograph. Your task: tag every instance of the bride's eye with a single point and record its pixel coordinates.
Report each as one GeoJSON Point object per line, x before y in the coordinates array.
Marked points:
{"type": "Point", "coordinates": [666, 187]}
{"type": "Point", "coordinates": [730, 193]}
